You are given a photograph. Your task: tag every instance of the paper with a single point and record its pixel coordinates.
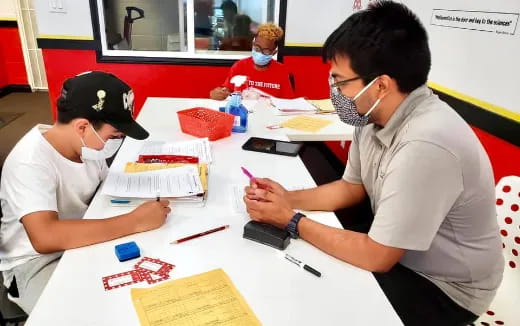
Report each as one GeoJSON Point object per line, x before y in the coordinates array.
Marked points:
{"type": "Point", "coordinates": [178, 182]}
{"type": "Point", "coordinates": [132, 167]}
{"type": "Point", "coordinates": [198, 147]}
{"type": "Point", "coordinates": [293, 105]}
{"type": "Point", "coordinates": [324, 106]}
{"type": "Point", "coordinates": [205, 299]}
{"type": "Point", "coordinates": [304, 123]}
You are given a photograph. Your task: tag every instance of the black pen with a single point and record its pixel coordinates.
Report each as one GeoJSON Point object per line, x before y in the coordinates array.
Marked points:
{"type": "Point", "coordinates": [302, 265]}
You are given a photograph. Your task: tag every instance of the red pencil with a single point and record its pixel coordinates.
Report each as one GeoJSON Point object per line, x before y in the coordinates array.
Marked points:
{"type": "Point", "coordinates": [220, 228]}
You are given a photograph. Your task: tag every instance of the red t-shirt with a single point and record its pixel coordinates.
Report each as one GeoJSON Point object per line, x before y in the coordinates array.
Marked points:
{"type": "Point", "coordinates": [274, 80]}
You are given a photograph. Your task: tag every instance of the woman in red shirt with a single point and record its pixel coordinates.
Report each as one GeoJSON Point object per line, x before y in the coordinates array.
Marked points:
{"type": "Point", "coordinates": [263, 73]}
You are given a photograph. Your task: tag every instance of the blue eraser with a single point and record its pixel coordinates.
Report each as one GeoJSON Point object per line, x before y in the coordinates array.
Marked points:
{"type": "Point", "coordinates": [126, 251]}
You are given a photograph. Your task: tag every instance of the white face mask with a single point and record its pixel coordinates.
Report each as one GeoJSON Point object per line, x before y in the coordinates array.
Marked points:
{"type": "Point", "coordinates": [110, 148]}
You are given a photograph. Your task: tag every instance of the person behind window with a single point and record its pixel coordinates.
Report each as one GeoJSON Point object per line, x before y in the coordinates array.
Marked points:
{"type": "Point", "coordinates": [434, 244]}
{"type": "Point", "coordinates": [202, 21]}
{"type": "Point", "coordinates": [229, 11]}
{"type": "Point", "coordinates": [50, 177]}
{"type": "Point", "coordinates": [242, 39]}
{"type": "Point", "coordinates": [264, 73]}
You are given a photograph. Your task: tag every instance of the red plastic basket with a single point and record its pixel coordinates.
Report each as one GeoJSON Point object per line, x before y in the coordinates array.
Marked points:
{"type": "Point", "coordinates": [202, 122]}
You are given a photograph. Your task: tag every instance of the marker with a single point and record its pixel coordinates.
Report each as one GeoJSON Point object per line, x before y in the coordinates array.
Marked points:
{"type": "Point", "coordinates": [247, 173]}
{"type": "Point", "coordinates": [119, 201]}
{"type": "Point", "coordinates": [220, 228]}
{"type": "Point", "coordinates": [302, 265]}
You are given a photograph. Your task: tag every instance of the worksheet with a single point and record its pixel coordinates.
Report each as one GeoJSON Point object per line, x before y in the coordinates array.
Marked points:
{"type": "Point", "coordinates": [205, 299]}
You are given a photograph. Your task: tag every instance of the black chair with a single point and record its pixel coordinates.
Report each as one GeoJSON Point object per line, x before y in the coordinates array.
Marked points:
{"type": "Point", "coordinates": [293, 84]}
{"type": "Point", "coordinates": [10, 313]}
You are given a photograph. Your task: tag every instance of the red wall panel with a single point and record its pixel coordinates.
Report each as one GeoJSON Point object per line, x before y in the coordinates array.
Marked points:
{"type": "Point", "coordinates": [504, 156]}
{"type": "Point", "coordinates": [310, 74]}
{"type": "Point", "coordinates": [12, 65]}
{"type": "Point", "coordinates": [147, 80]}
{"type": "Point", "coordinates": [3, 69]}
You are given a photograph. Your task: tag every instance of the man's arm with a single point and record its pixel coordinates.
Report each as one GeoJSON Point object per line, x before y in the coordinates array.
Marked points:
{"type": "Point", "coordinates": [48, 233]}
{"type": "Point", "coordinates": [352, 247]}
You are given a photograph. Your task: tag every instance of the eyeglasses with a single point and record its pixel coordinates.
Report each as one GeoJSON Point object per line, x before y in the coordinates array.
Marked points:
{"type": "Point", "coordinates": [264, 51]}
{"type": "Point", "coordinates": [337, 84]}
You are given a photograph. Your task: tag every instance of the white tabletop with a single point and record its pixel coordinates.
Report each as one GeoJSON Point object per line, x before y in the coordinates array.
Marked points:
{"type": "Point", "coordinates": [278, 292]}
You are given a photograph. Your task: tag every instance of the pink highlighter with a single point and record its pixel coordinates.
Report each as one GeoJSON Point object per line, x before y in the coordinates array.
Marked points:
{"type": "Point", "coordinates": [250, 176]}
{"type": "Point", "coordinates": [247, 173]}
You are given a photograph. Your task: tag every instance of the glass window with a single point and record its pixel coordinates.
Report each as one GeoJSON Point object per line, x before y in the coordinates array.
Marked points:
{"type": "Point", "coordinates": [182, 28]}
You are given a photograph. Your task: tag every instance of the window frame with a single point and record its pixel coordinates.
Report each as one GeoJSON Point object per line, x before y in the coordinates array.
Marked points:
{"type": "Point", "coordinates": [191, 55]}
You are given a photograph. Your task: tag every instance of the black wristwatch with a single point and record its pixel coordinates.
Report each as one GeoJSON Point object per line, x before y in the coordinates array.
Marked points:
{"type": "Point", "coordinates": [292, 227]}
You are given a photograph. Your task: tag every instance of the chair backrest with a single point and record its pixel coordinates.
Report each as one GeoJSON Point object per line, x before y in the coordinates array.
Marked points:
{"type": "Point", "coordinates": [293, 83]}
{"type": "Point", "coordinates": [508, 214]}
{"type": "Point", "coordinates": [9, 311]}
{"type": "Point", "coordinates": [504, 308]}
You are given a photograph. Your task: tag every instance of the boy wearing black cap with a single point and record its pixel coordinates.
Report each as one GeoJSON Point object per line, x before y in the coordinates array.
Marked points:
{"type": "Point", "coordinates": [50, 177]}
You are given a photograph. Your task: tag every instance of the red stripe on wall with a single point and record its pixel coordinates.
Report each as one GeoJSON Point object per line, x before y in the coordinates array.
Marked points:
{"type": "Point", "coordinates": [12, 65]}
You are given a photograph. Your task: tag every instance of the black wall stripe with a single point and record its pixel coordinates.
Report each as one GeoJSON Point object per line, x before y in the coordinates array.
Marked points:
{"type": "Point", "coordinates": [6, 90]}
{"type": "Point", "coordinates": [282, 18]}
{"type": "Point", "coordinates": [301, 51]}
{"type": "Point", "coordinates": [47, 43]}
{"type": "Point", "coordinates": [8, 23]}
{"type": "Point", "coordinates": [164, 61]}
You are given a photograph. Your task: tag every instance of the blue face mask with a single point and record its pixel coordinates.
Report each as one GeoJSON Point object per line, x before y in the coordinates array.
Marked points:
{"type": "Point", "coordinates": [261, 59]}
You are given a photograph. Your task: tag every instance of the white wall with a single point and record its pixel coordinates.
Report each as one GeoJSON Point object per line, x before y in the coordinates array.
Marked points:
{"type": "Point", "coordinates": [309, 22]}
{"type": "Point", "coordinates": [8, 9]}
{"type": "Point", "coordinates": [479, 64]}
{"type": "Point", "coordinates": [74, 23]}
{"type": "Point", "coordinates": [252, 8]}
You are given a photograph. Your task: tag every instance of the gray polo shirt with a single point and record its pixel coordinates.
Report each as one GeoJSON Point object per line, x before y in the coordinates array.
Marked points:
{"type": "Point", "coordinates": [432, 192]}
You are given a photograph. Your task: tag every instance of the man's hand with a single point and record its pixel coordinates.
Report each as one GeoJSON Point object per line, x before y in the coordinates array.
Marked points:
{"type": "Point", "coordinates": [259, 187]}
{"type": "Point", "coordinates": [219, 93]}
{"type": "Point", "coordinates": [149, 215]}
{"type": "Point", "coordinates": [269, 208]}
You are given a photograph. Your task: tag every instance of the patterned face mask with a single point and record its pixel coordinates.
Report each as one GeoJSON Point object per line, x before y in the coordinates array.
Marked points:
{"type": "Point", "coordinates": [346, 107]}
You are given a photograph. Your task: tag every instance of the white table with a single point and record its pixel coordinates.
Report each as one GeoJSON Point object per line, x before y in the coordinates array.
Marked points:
{"type": "Point", "coordinates": [336, 131]}
{"type": "Point", "coordinates": [278, 292]}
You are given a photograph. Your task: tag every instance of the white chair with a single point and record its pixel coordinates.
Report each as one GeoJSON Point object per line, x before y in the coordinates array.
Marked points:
{"type": "Point", "coordinates": [505, 308]}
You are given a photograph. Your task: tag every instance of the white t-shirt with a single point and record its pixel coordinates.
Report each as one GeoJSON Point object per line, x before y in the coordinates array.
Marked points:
{"type": "Point", "coordinates": [36, 177]}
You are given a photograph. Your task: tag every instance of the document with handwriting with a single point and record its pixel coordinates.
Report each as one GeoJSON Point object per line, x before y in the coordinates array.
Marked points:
{"type": "Point", "coordinates": [205, 299]}
{"type": "Point", "coordinates": [179, 182]}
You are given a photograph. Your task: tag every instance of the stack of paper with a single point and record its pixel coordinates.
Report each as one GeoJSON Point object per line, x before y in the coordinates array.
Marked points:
{"type": "Point", "coordinates": [182, 183]}
{"type": "Point", "coordinates": [199, 148]}
{"type": "Point", "coordinates": [179, 182]}
{"type": "Point", "coordinates": [293, 106]}
{"type": "Point", "coordinates": [323, 106]}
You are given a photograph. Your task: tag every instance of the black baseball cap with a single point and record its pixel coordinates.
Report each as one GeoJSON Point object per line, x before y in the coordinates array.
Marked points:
{"type": "Point", "coordinates": [97, 95]}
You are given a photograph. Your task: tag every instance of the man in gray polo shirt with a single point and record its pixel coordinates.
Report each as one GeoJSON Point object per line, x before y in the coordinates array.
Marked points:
{"type": "Point", "coordinates": [434, 242]}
